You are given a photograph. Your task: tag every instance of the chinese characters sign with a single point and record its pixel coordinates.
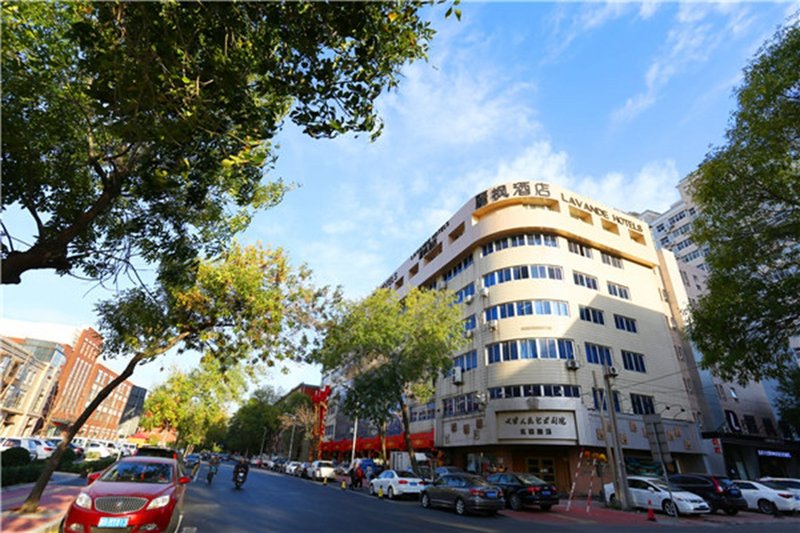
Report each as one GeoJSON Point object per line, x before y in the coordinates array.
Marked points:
{"type": "Point", "coordinates": [536, 425]}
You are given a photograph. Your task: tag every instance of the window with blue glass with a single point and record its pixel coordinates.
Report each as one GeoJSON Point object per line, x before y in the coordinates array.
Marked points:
{"type": "Point", "coordinates": [643, 405]}
{"type": "Point", "coordinates": [469, 290]}
{"type": "Point", "coordinates": [530, 239]}
{"type": "Point", "coordinates": [467, 361]}
{"type": "Point", "coordinates": [598, 354]}
{"type": "Point", "coordinates": [524, 308]}
{"type": "Point", "coordinates": [494, 353]}
{"type": "Point", "coordinates": [633, 361]}
{"type": "Point", "coordinates": [620, 291]}
{"type": "Point", "coordinates": [459, 268]}
{"type": "Point", "coordinates": [584, 280]}
{"type": "Point", "coordinates": [599, 396]}
{"type": "Point", "coordinates": [625, 323]}
{"type": "Point", "coordinates": [538, 348]}
{"type": "Point", "coordinates": [521, 272]}
{"type": "Point", "coordinates": [535, 390]}
{"type": "Point", "coordinates": [470, 323]}
{"type": "Point", "coordinates": [510, 352]}
{"type": "Point", "coordinates": [546, 272]}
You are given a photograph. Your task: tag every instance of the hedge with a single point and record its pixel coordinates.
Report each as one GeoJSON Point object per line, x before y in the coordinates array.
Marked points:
{"type": "Point", "coordinates": [13, 475]}
{"type": "Point", "coordinates": [16, 456]}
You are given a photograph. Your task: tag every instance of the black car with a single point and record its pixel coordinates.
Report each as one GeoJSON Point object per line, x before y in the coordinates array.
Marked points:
{"type": "Point", "coordinates": [525, 489]}
{"type": "Point", "coordinates": [718, 491]}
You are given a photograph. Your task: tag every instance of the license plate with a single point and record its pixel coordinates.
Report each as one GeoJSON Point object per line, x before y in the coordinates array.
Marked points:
{"type": "Point", "coordinates": [413, 483]}
{"type": "Point", "coordinates": [545, 493]}
{"type": "Point", "coordinates": [110, 521]}
{"type": "Point", "coordinates": [491, 495]}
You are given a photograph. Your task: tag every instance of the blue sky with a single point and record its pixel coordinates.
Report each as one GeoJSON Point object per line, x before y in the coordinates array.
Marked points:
{"type": "Point", "coordinates": [616, 101]}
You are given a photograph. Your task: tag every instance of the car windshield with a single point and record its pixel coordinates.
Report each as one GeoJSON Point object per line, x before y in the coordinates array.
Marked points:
{"type": "Point", "coordinates": [663, 485]}
{"type": "Point", "coordinates": [475, 481]}
{"type": "Point", "coordinates": [325, 463]}
{"type": "Point", "coordinates": [138, 472]}
{"type": "Point", "coordinates": [407, 474]}
{"type": "Point", "coordinates": [773, 485]}
{"type": "Point", "coordinates": [530, 478]}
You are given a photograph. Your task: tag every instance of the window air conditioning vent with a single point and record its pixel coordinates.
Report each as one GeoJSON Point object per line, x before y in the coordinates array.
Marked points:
{"type": "Point", "coordinates": [485, 292]}
{"type": "Point", "coordinates": [458, 375]}
{"type": "Point", "coordinates": [492, 324]}
{"type": "Point", "coordinates": [572, 364]}
{"type": "Point", "coordinates": [468, 299]}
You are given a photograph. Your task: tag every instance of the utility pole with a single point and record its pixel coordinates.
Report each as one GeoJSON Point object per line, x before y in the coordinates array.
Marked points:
{"type": "Point", "coordinates": [291, 439]}
{"type": "Point", "coordinates": [355, 436]}
{"type": "Point", "coordinates": [263, 438]}
{"type": "Point", "coordinates": [609, 452]}
{"type": "Point", "coordinates": [618, 456]}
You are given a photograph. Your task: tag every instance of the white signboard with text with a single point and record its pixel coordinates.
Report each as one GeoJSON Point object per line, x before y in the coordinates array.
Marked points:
{"type": "Point", "coordinates": [536, 425]}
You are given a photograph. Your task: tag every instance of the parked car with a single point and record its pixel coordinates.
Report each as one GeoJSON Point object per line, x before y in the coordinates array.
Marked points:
{"type": "Point", "coordinates": [396, 484]}
{"type": "Point", "coordinates": [21, 442]}
{"type": "Point", "coordinates": [464, 493]}
{"type": "Point", "coordinates": [322, 470]}
{"type": "Point", "coordinates": [767, 496]}
{"type": "Point", "coordinates": [191, 460]}
{"type": "Point", "coordinates": [279, 464]}
{"type": "Point", "coordinates": [143, 493]}
{"type": "Point", "coordinates": [301, 470]}
{"type": "Point", "coordinates": [718, 491]}
{"type": "Point", "coordinates": [649, 491]}
{"type": "Point", "coordinates": [444, 470]}
{"type": "Point", "coordinates": [520, 489]}
{"type": "Point", "coordinates": [97, 447]}
{"type": "Point", "coordinates": [788, 483]}
{"type": "Point", "coordinates": [291, 466]}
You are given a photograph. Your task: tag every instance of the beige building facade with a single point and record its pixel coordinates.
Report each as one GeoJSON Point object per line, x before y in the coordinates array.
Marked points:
{"type": "Point", "coordinates": [557, 290]}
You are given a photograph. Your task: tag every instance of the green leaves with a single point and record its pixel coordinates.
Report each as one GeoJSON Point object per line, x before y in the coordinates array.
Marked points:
{"type": "Point", "coordinates": [116, 115]}
{"type": "Point", "coordinates": [749, 195]}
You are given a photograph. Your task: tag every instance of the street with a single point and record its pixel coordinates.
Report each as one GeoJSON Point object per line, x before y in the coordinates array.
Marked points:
{"type": "Point", "coordinates": [271, 501]}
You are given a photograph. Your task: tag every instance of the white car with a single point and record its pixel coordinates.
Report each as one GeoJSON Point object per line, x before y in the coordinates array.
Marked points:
{"type": "Point", "coordinates": [788, 483]}
{"type": "Point", "coordinates": [94, 446]}
{"type": "Point", "coordinates": [320, 470]}
{"type": "Point", "coordinates": [22, 442]}
{"type": "Point", "coordinates": [657, 493]}
{"type": "Point", "coordinates": [291, 467]}
{"type": "Point", "coordinates": [395, 484]}
{"type": "Point", "coordinates": [767, 496]}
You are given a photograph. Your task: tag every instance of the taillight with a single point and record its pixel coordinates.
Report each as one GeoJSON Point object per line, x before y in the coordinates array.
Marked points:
{"type": "Point", "coordinates": [402, 482]}
{"type": "Point", "coordinates": [421, 482]}
{"type": "Point", "coordinates": [717, 486]}
{"type": "Point", "coordinates": [531, 490]}
{"type": "Point", "coordinates": [784, 495]}
{"type": "Point", "coordinates": [476, 492]}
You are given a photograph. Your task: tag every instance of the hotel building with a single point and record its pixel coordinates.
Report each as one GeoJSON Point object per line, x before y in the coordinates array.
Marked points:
{"type": "Point", "coordinates": [556, 291]}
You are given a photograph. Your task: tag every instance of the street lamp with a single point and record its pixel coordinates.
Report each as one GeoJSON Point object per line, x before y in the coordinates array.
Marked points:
{"type": "Point", "coordinates": [263, 439]}
{"type": "Point", "coordinates": [355, 436]}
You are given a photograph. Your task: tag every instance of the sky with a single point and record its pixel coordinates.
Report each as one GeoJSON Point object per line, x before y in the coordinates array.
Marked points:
{"type": "Point", "coordinates": [615, 101]}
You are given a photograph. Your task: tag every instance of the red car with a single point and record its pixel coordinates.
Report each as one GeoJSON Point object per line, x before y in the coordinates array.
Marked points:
{"type": "Point", "coordinates": [135, 494]}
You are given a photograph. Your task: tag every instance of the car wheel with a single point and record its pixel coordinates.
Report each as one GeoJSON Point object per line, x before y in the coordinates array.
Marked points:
{"type": "Point", "coordinates": [390, 493]}
{"type": "Point", "coordinates": [669, 508]}
{"type": "Point", "coordinates": [514, 502]}
{"type": "Point", "coordinates": [612, 500]}
{"type": "Point", "coordinates": [546, 506]}
{"type": "Point", "coordinates": [731, 511]}
{"type": "Point", "coordinates": [461, 507]}
{"type": "Point", "coordinates": [766, 507]}
{"type": "Point", "coordinates": [492, 512]}
{"type": "Point", "coordinates": [425, 500]}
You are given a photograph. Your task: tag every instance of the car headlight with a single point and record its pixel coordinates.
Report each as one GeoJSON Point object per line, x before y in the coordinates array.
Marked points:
{"type": "Point", "coordinates": [680, 500]}
{"type": "Point", "coordinates": [159, 502]}
{"type": "Point", "coordinates": [84, 500]}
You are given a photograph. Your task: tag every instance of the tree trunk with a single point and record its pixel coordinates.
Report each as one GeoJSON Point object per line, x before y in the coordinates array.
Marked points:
{"type": "Point", "coordinates": [382, 434]}
{"type": "Point", "coordinates": [32, 502]}
{"type": "Point", "coordinates": [407, 435]}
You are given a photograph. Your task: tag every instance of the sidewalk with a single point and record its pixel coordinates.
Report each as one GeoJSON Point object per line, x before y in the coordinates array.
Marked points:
{"type": "Point", "coordinates": [52, 507]}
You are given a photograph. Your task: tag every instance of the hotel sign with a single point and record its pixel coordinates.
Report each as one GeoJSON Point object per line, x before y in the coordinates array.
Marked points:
{"type": "Point", "coordinates": [536, 425]}
{"type": "Point", "coordinates": [542, 190]}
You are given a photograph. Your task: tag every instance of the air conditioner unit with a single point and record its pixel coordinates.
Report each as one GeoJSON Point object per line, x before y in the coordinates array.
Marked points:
{"type": "Point", "coordinates": [485, 292]}
{"type": "Point", "coordinates": [572, 364]}
{"type": "Point", "coordinates": [492, 324]}
{"type": "Point", "coordinates": [458, 375]}
{"type": "Point", "coordinates": [468, 299]}
{"type": "Point", "coordinates": [612, 371]}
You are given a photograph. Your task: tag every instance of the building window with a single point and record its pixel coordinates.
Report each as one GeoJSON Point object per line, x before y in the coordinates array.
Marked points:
{"type": "Point", "coordinates": [585, 280]}
{"type": "Point", "coordinates": [620, 291]}
{"type": "Point", "coordinates": [467, 361]}
{"type": "Point", "coordinates": [535, 390]}
{"type": "Point", "coordinates": [546, 272]}
{"type": "Point", "coordinates": [598, 354]}
{"type": "Point", "coordinates": [611, 259]}
{"type": "Point", "coordinates": [734, 395]}
{"type": "Point", "coordinates": [633, 361]}
{"type": "Point", "coordinates": [527, 307]}
{"type": "Point", "coordinates": [494, 353]}
{"type": "Point", "coordinates": [643, 405]}
{"type": "Point", "coordinates": [468, 290]}
{"type": "Point", "coordinates": [580, 249]}
{"type": "Point", "coordinates": [459, 268]}
{"type": "Point", "coordinates": [599, 396]}
{"type": "Point", "coordinates": [530, 239]}
{"type": "Point", "coordinates": [590, 314]}
{"type": "Point", "coordinates": [539, 348]}
{"type": "Point", "coordinates": [733, 421]}
{"type": "Point", "coordinates": [750, 424]}
{"type": "Point", "coordinates": [769, 427]}
{"type": "Point", "coordinates": [625, 323]}
{"type": "Point", "coordinates": [470, 323]}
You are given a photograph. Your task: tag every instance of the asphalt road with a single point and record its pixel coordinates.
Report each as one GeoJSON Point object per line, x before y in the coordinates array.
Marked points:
{"type": "Point", "coordinates": [276, 502]}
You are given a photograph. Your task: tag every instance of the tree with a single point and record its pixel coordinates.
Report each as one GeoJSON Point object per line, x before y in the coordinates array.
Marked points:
{"type": "Point", "coordinates": [190, 403]}
{"type": "Point", "coordinates": [248, 307]}
{"type": "Point", "coordinates": [789, 399]}
{"type": "Point", "coordinates": [254, 423]}
{"type": "Point", "coordinates": [748, 192]}
{"type": "Point", "coordinates": [142, 130]}
{"type": "Point", "coordinates": [403, 344]}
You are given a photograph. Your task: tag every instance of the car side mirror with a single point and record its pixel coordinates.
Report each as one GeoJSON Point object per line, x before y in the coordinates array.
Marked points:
{"type": "Point", "coordinates": [183, 480]}
{"type": "Point", "coordinates": [91, 478]}
{"type": "Point", "coordinates": [651, 489]}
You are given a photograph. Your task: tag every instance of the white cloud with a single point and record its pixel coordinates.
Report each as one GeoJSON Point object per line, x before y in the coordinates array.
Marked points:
{"type": "Point", "coordinates": [648, 8]}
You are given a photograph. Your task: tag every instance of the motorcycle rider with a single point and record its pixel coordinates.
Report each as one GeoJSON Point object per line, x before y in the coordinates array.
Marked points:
{"type": "Point", "coordinates": [241, 466]}
{"type": "Point", "coordinates": [213, 468]}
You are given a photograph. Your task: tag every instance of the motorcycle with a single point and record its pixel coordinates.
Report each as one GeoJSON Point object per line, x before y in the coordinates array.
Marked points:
{"type": "Point", "coordinates": [212, 470]}
{"type": "Point", "coordinates": [239, 479]}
